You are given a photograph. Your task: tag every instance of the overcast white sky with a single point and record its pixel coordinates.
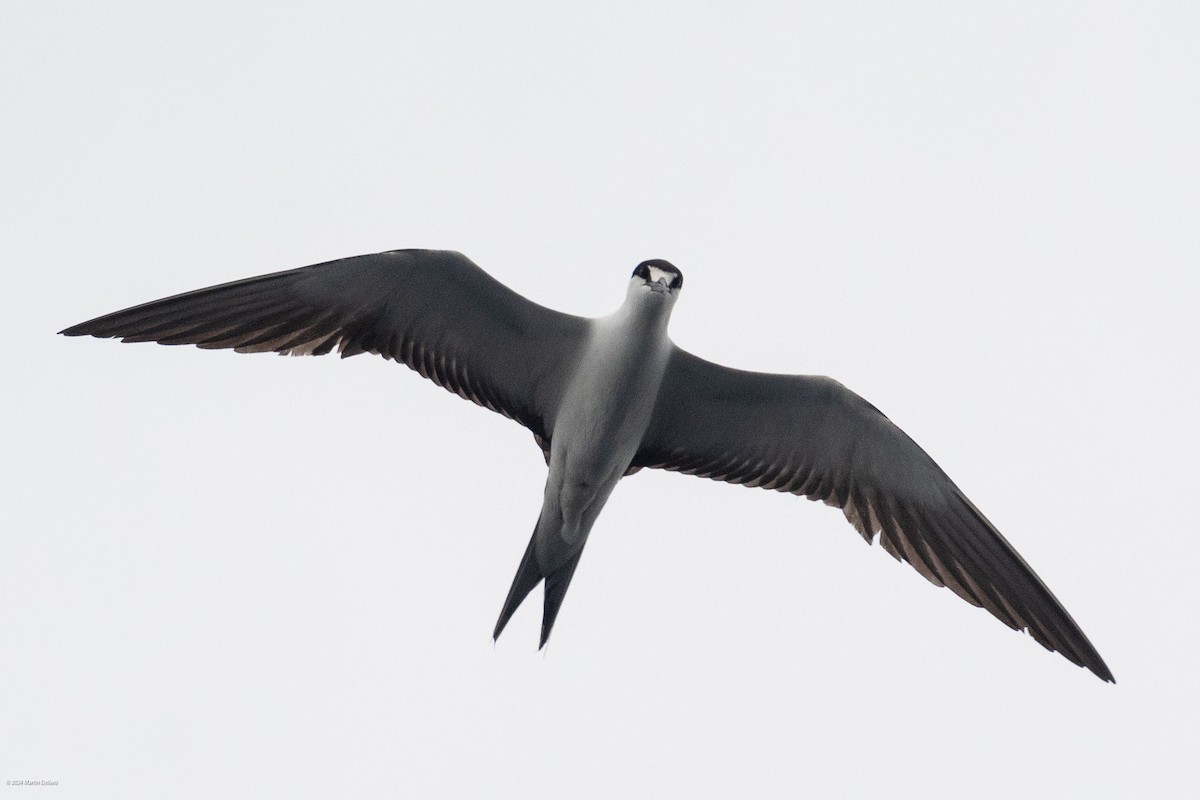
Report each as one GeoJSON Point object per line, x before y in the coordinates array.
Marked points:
{"type": "Point", "coordinates": [250, 576]}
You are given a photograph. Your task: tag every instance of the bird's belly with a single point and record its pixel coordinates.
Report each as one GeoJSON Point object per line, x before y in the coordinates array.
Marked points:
{"type": "Point", "coordinates": [595, 446]}
{"type": "Point", "coordinates": [607, 413]}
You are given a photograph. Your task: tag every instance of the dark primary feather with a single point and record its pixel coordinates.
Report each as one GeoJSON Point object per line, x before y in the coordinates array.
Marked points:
{"type": "Point", "coordinates": [433, 310]}
{"type": "Point", "coordinates": [812, 436]}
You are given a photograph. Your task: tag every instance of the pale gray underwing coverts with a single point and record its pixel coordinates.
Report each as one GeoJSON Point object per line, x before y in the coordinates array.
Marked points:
{"type": "Point", "coordinates": [605, 397]}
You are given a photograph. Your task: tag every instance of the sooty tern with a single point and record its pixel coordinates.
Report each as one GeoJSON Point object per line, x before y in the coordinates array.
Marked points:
{"type": "Point", "coordinates": [606, 397]}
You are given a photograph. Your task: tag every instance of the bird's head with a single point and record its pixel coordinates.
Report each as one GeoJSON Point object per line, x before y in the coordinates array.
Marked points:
{"type": "Point", "coordinates": [656, 277]}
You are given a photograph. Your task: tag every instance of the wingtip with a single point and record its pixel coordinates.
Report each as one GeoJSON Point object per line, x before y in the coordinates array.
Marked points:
{"type": "Point", "coordinates": [1091, 661]}
{"type": "Point", "coordinates": [86, 329]}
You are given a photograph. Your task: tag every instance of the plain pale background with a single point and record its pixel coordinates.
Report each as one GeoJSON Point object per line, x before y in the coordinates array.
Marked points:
{"type": "Point", "coordinates": [250, 576]}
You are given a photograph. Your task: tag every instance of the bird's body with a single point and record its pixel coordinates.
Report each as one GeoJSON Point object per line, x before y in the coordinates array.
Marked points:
{"type": "Point", "coordinates": [598, 428]}
{"type": "Point", "coordinates": [608, 396]}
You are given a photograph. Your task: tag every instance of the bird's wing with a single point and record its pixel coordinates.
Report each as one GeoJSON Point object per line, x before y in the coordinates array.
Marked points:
{"type": "Point", "coordinates": [812, 436]}
{"type": "Point", "coordinates": [435, 311]}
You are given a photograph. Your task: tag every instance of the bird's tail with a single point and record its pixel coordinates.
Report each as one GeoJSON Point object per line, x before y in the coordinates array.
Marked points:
{"type": "Point", "coordinates": [529, 574]}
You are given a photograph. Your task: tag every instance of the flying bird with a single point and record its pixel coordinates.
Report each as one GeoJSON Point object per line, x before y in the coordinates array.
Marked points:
{"type": "Point", "coordinates": [607, 397]}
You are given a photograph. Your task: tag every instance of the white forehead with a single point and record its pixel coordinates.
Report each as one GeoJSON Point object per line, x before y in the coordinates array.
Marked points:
{"type": "Point", "coordinates": [656, 273]}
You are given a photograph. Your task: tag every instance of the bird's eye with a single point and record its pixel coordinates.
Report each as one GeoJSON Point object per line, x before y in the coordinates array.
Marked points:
{"type": "Point", "coordinates": [677, 281]}
{"type": "Point", "coordinates": [642, 271]}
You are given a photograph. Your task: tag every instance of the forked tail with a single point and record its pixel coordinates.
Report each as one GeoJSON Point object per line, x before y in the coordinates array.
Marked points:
{"type": "Point", "coordinates": [529, 574]}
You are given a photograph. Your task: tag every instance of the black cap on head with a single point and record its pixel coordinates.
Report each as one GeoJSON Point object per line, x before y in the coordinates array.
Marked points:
{"type": "Point", "coordinates": [643, 271]}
